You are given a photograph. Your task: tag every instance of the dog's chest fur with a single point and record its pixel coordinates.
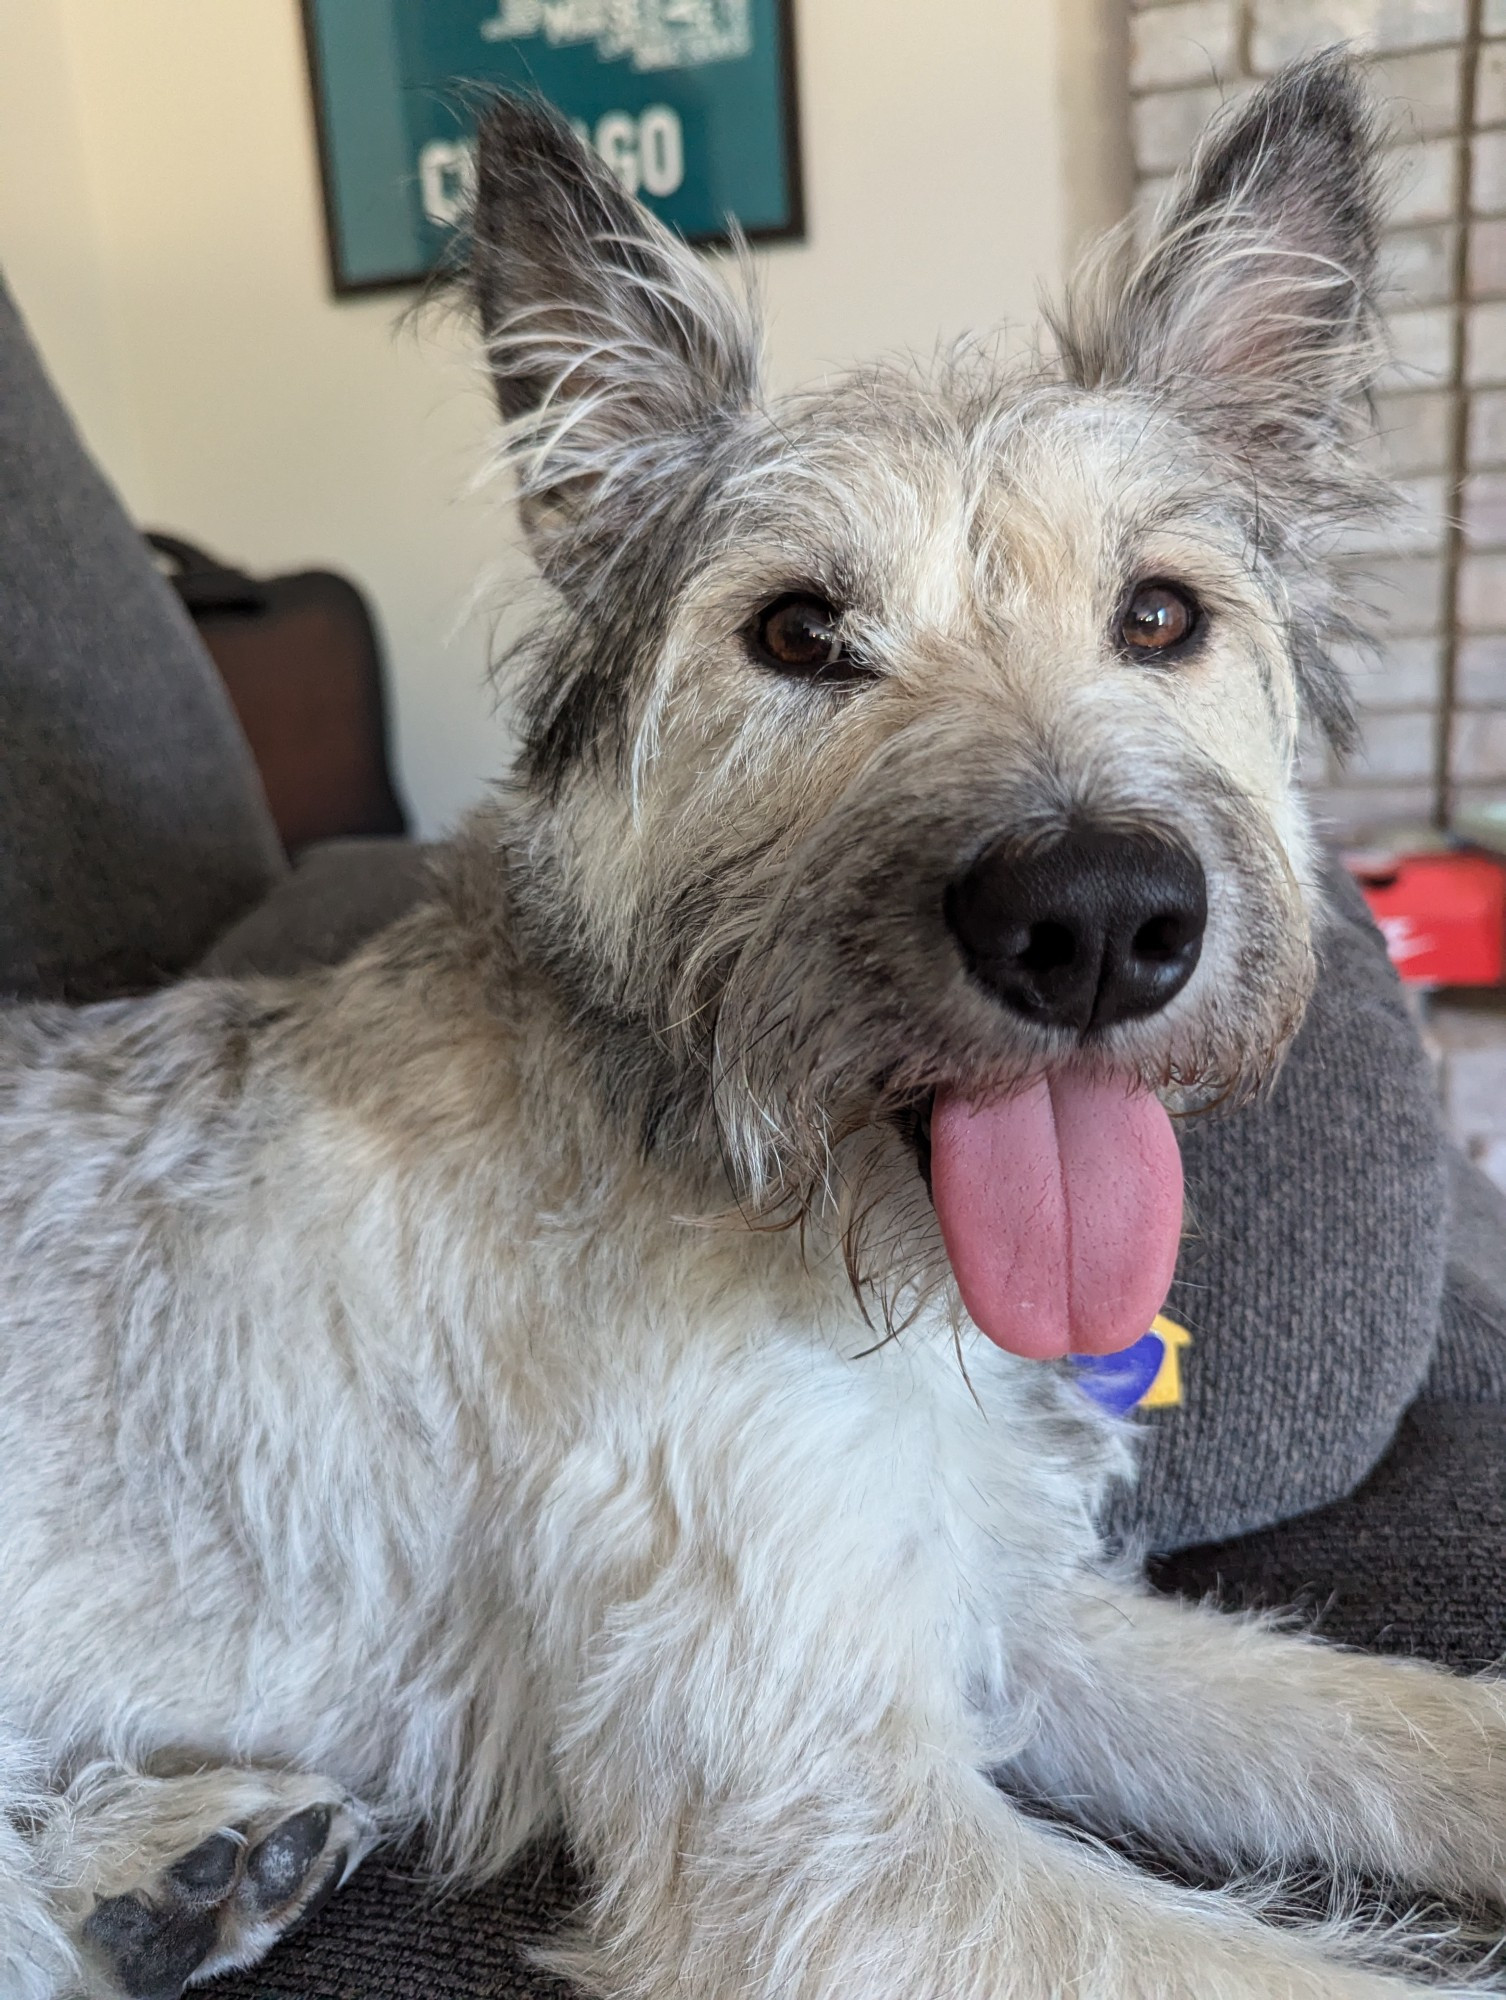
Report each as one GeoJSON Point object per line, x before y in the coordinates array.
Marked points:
{"type": "Point", "coordinates": [346, 1343]}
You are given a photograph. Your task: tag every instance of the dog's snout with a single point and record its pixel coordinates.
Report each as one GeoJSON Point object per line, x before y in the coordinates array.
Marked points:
{"type": "Point", "coordinates": [1094, 927]}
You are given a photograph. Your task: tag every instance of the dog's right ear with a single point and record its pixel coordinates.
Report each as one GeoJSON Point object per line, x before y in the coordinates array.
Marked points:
{"type": "Point", "coordinates": [1256, 289]}
{"type": "Point", "coordinates": [610, 343]}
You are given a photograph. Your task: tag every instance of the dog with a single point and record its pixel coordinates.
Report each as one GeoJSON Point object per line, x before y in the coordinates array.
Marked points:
{"type": "Point", "coordinates": [586, 1361]}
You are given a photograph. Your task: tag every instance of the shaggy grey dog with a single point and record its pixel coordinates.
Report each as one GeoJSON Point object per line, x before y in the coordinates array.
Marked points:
{"type": "Point", "coordinates": [587, 1360]}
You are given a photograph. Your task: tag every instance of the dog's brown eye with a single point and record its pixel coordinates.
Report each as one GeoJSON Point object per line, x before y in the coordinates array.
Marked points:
{"type": "Point", "coordinates": [1158, 618]}
{"type": "Point", "coordinates": [802, 634]}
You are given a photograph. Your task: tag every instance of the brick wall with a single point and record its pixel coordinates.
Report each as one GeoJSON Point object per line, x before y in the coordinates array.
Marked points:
{"type": "Point", "coordinates": [1433, 697]}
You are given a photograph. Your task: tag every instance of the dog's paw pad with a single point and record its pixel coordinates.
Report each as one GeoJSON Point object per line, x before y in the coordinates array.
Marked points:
{"type": "Point", "coordinates": [314, 1902]}
{"type": "Point", "coordinates": [150, 1952]}
{"type": "Point", "coordinates": [226, 1901]}
{"type": "Point", "coordinates": [279, 1866]}
{"type": "Point", "coordinates": [207, 1872]}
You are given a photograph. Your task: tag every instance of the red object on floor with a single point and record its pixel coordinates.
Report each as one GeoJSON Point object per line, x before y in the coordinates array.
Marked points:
{"type": "Point", "coordinates": [1443, 916]}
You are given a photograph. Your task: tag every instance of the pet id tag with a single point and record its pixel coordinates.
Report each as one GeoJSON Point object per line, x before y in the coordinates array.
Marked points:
{"type": "Point", "coordinates": [1144, 1376]}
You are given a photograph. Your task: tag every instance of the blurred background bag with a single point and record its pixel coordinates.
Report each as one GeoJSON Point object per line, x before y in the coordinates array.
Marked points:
{"type": "Point", "coordinates": [302, 664]}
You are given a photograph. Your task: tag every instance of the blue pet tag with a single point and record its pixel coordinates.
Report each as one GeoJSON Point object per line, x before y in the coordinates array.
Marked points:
{"type": "Point", "coordinates": [1148, 1374]}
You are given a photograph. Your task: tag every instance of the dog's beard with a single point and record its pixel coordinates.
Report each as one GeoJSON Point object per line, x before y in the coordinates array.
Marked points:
{"type": "Point", "coordinates": [1055, 1206]}
{"type": "Point", "coordinates": [818, 1009]}
{"type": "Point", "coordinates": [1050, 1190]}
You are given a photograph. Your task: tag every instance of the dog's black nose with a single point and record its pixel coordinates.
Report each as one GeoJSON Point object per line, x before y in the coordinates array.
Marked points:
{"type": "Point", "coordinates": [1093, 927]}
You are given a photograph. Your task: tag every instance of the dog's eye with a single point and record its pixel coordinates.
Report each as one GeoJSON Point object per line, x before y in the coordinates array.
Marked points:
{"type": "Point", "coordinates": [802, 634]}
{"type": "Point", "coordinates": [1158, 618]}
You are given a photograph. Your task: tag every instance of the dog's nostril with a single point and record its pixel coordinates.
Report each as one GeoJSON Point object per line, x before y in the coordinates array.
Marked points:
{"type": "Point", "coordinates": [1094, 927]}
{"type": "Point", "coordinates": [1048, 948]}
{"type": "Point", "coordinates": [1163, 937]}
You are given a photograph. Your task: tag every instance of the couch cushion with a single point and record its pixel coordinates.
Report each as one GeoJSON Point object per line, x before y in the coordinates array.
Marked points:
{"type": "Point", "coordinates": [132, 822]}
{"type": "Point", "coordinates": [1414, 1562]}
{"type": "Point", "coordinates": [384, 1938]}
{"type": "Point", "coordinates": [1470, 1363]}
{"type": "Point", "coordinates": [340, 892]}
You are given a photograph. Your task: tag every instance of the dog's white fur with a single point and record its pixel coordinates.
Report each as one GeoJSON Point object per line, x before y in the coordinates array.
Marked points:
{"type": "Point", "coordinates": [385, 1424]}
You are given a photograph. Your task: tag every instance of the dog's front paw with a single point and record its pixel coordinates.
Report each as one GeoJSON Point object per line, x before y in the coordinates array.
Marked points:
{"type": "Point", "coordinates": [228, 1898]}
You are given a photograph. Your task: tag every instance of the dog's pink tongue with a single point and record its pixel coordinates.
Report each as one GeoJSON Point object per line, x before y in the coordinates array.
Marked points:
{"type": "Point", "coordinates": [1060, 1209]}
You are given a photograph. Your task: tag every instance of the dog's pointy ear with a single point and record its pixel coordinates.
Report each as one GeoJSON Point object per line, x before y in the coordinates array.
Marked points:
{"type": "Point", "coordinates": [1258, 280]}
{"type": "Point", "coordinates": [606, 335]}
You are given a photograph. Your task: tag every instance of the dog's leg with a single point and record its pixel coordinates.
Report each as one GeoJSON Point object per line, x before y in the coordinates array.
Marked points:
{"type": "Point", "coordinates": [1221, 1737]}
{"type": "Point", "coordinates": [37, 1960]}
{"type": "Point", "coordinates": [764, 1751]}
{"type": "Point", "coordinates": [882, 1868]}
{"type": "Point", "coordinates": [158, 1882]}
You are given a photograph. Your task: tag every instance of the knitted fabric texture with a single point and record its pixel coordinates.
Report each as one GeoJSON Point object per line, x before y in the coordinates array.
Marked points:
{"type": "Point", "coordinates": [1414, 1562]}
{"type": "Point", "coordinates": [132, 824]}
{"type": "Point", "coordinates": [1469, 1364]}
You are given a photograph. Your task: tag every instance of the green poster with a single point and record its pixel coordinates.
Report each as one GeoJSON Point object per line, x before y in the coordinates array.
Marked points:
{"type": "Point", "coordinates": [690, 102]}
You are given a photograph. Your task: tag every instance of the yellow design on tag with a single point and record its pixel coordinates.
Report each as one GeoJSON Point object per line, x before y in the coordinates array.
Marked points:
{"type": "Point", "coordinates": [1165, 1391]}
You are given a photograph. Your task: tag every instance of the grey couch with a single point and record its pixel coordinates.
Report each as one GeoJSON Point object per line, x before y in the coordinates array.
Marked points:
{"type": "Point", "coordinates": [1342, 1441]}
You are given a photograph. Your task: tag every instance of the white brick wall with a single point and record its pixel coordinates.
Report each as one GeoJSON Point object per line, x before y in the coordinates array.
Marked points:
{"type": "Point", "coordinates": [1404, 599]}
{"type": "Point", "coordinates": [1283, 29]}
{"type": "Point", "coordinates": [1418, 265]}
{"type": "Point", "coordinates": [1482, 594]}
{"type": "Point", "coordinates": [1432, 582]}
{"type": "Point", "coordinates": [1405, 673]}
{"type": "Point", "coordinates": [1485, 344]}
{"type": "Point", "coordinates": [1191, 41]}
{"type": "Point", "coordinates": [1477, 753]}
{"type": "Point", "coordinates": [1399, 747]}
{"type": "Point", "coordinates": [1479, 749]}
{"type": "Point", "coordinates": [1413, 431]}
{"type": "Point", "coordinates": [1424, 177]}
{"type": "Point", "coordinates": [1165, 123]}
{"type": "Point", "coordinates": [1490, 85]}
{"type": "Point", "coordinates": [1487, 259]}
{"type": "Point", "coordinates": [1488, 174]}
{"type": "Point", "coordinates": [1481, 672]}
{"type": "Point", "coordinates": [1424, 91]}
{"type": "Point", "coordinates": [1422, 347]}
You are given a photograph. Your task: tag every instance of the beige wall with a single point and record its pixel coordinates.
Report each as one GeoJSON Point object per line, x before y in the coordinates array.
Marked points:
{"type": "Point", "coordinates": [49, 234]}
{"type": "Point", "coordinates": [159, 219]}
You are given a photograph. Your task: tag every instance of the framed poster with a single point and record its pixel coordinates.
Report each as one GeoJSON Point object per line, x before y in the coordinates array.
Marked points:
{"type": "Point", "coordinates": [690, 102]}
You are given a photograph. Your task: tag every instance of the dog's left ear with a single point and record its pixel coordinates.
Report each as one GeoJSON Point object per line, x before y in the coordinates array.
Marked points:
{"type": "Point", "coordinates": [607, 337]}
{"type": "Point", "coordinates": [1257, 289]}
